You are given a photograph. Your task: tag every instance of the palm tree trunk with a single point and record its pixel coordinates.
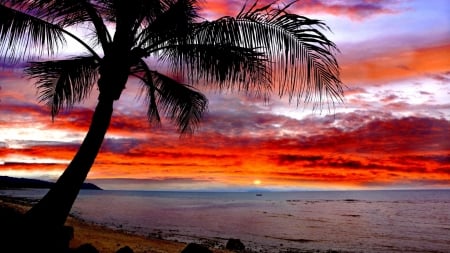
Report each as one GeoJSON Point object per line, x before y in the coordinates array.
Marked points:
{"type": "Point", "coordinates": [53, 209]}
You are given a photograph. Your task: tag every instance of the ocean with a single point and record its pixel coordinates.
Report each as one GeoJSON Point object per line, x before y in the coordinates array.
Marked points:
{"type": "Point", "coordinates": [344, 221]}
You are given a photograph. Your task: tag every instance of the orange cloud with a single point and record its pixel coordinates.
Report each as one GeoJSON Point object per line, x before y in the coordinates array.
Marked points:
{"type": "Point", "coordinates": [380, 152]}
{"type": "Point", "coordinates": [392, 66]}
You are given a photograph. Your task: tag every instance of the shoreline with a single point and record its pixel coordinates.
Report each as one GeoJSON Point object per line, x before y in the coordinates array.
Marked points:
{"type": "Point", "coordinates": [105, 239]}
{"type": "Point", "coordinates": [287, 223]}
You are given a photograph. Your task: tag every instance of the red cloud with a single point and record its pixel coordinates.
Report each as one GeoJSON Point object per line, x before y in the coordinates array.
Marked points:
{"type": "Point", "coordinates": [236, 146]}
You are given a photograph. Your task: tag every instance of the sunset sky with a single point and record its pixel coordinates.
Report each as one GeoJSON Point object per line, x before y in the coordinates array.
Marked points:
{"type": "Point", "coordinates": [391, 132]}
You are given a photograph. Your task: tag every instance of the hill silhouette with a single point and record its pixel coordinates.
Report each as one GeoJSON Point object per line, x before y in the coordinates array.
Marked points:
{"type": "Point", "coordinates": [13, 182]}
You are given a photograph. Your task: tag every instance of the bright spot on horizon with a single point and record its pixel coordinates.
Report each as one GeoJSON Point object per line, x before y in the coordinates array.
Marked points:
{"type": "Point", "coordinates": [256, 182]}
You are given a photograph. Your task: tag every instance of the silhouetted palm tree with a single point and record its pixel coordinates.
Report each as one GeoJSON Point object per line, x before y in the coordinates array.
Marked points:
{"type": "Point", "coordinates": [261, 50]}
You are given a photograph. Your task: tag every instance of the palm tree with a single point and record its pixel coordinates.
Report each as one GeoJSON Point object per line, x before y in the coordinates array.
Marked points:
{"type": "Point", "coordinates": [263, 49]}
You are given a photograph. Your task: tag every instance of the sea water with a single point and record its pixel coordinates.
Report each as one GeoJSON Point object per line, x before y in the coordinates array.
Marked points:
{"type": "Point", "coordinates": [347, 221]}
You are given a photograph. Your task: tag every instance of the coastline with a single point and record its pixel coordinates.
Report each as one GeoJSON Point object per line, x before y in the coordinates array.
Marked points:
{"type": "Point", "coordinates": [105, 239]}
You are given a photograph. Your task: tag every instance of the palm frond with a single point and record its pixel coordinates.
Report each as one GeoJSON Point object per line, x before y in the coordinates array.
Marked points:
{"type": "Point", "coordinates": [142, 7]}
{"type": "Point", "coordinates": [303, 60]}
{"type": "Point", "coordinates": [230, 67]}
{"type": "Point", "coordinates": [148, 91]}
{"type": "Point", "coordinates": [318, 52]}
{"type": "Point", "coordinates": [23, 35]}
{"type": "Point", "coordinates": [63, 83]}
{"type": "Point", "coordinates": [181, 103]}
{"type": "Point", "coordinates": [172, 23]}
{"type": "Point", "coordinates": [95, 12]}
{"type": "Point", "coordinates": [63, 13]}
{"type": "Point", "coordinates": [72, 12]}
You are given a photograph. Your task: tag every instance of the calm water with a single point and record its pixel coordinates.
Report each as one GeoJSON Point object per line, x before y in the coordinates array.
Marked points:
{"type": "Point", "coordinates": [353, 221]}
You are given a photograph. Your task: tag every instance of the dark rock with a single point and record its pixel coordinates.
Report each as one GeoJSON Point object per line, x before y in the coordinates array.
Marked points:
{"type": "Point", "coordinates": [11, 222]}
{"type": "Point", "coordinates": [48, 239]}
{"type": "Point", "coordinates": [195, 248]}
{"type": "Point", "coordinates": [86, 248]}
{"type": "Point", "coordinates": [235, 244]}
{"type": "Point", "coordinates": [125, 249]}
{"type": "Point", "coordinates": [38, 238]}
{"type": "Point", "coordinates": [19, 234]}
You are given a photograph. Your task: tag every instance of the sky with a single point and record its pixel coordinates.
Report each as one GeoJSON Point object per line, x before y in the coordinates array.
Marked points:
{"type": "Point", "coordinates": [391, 132]}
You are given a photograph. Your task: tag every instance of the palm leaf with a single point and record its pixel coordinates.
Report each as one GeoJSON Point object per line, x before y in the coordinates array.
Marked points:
{"type": "Point", "coordinates": [71, 12]}
{"type": "Point", "coordinates": [142, 71]}
{"type": "Point", "coordinates": [179, 102]}
{"type": "Point", "coordinates": [63, 13]}
{"type": "Point", "coordinates": [143, 7]}
{"type": "Point", "coordinates": [23, 35]}
{"type": "Point", "coordinates": [231, 67]}
{"type": "Point", "coordinates": [172, 22]}
{"type": "Point", "coordinates": [302, 58]}
{"type": "Point", "coordinates": [63, 83]}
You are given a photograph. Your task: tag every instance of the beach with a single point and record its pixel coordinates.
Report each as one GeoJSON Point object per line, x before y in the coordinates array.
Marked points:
{"type": "Point", "coordinates": [104, 239]}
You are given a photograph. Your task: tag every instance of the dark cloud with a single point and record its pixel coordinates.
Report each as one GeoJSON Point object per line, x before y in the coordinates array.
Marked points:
{"type": "Point", "coordinates": [121, 145]}
{"type": "Point", "coordinates": [309, 176]}
{"type": "Point", "coordinates": [441, 77]}
{"type": "Point", "coordinates": [441, 159]}
{"type": "Point", "coordinates": [445, 170]}
{"type": "Point", "coordinates": [425, 93]}
{"type": "Point", "coordinates": [354, 91]}
{"type": "Point", "coordinates": [345, 164]}
{"type": "Point", "coordinates": [288, 159]}
{"type": "Point", "coordinates": [390, 98]}
{"type": "Point", "coordinates": [398, 106]}
{"type": "Point", "coordinates": [350, 164]}
{"type": "Point", "coordinates": [398, 135]}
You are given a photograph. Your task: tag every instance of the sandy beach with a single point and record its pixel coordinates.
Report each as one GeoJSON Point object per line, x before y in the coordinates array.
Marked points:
{"type": "Point", "coordinates": [105, 240]}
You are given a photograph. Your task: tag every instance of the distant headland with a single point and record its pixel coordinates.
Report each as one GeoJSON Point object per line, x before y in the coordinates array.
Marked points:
{"type": "Point", "coordinates": [13, 182]}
